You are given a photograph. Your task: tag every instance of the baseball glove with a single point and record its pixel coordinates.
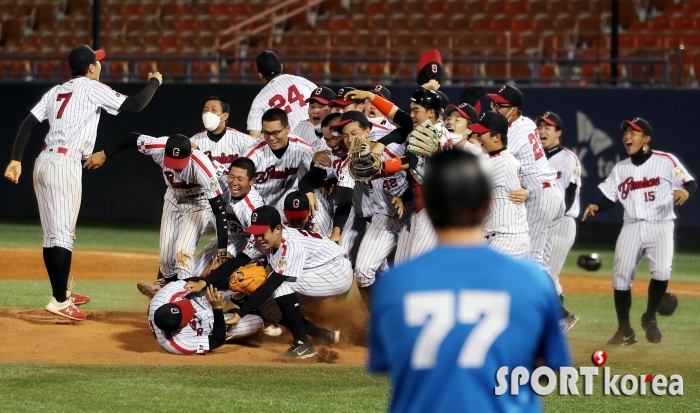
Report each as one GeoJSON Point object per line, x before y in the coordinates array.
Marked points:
{"type": "Point", "coordinates": [219, 259]}
{"type": "Point", "coordinates": [247, 279]}
{"type": "Point", "coordinates": [363, 163]}
{"type": "Point", "coordinates": [424, 140]}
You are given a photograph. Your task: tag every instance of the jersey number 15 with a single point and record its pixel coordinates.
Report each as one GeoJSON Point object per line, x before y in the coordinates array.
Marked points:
{"type": "Point", "coordinates": [439, 311]}
{"type": "Point", "coordinates": [293, 95]}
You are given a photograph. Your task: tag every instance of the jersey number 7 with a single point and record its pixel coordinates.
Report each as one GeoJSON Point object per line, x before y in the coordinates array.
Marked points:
{"type": "Point", "coordinates": [439, 311]}
{"type": "Point", "coordinates": [293, 95]}
{"type": "Point", "coordinates": [65, 97]}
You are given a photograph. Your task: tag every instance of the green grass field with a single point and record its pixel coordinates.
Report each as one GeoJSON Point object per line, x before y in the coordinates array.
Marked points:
{"type": "Point", "coordinates": [320, 388]}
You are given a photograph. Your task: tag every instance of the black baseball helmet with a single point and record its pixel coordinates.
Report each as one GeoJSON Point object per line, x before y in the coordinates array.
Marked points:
{"type": "Point", "coordinates": [590, 262]}
{"type": "Point", "coordinates": [429, 99]}
{"type": "Point", "coordinates": [668, 305]}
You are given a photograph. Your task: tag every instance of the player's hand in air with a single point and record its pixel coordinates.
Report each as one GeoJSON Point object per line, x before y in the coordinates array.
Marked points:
{"type": "Point", "coordinates": [313, 204]}
{"type": "Point", "coordinates": [519, 196]}
{"type": "Point", "coordinates": [590, 211]}
{"type": "Point", "coordinates": [195, 286]}
{"type": "Point", "coordinates": [359, 94]}
{"type": "Point", "coordinates": [193, 144]}
{"type": "Point", "coordinates": [398, 204]}
{"type": "Point", "coordinates": [95, 160]}
{"type": "Point", "coordinates": [156, 75]}
{"type": "Point", "coordinates": [679, 196]}
{"type": "Point", "coordinates": [431, 85]}
{"type": "Point", "coordinates": [322, 158]}
{"type": "Point", "coordinates": [13, 171]}
{"type": "Point", "coordinates": [215, 298]}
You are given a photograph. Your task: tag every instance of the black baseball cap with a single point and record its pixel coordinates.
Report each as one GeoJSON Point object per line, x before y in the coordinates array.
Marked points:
{"type": "Point", "coordinates": [382, 91]}
{"type": "Point", "coordinates": [472, 96]}
{"type": "Point", "coordinates": [178, 149]}
{"type": "Point", "coordinates": [263, 218]}
{"type": "Point", "coordinates": [341, 101]}
{"type": "Point", "coordinates": [465, 110]}
{"type": "Point", "coordinates": [82, 57]}
{"type": "Point", "coordinates": [638, 124]}
{"type": "Point", "coordinates": [268, 64]}
{"type": "Point", "coordinates": [322, 95]}
{"type": "Point", "coordinates": [550, 118]}
{"type": "Point", "coordinates": [490, 121]}
{"type": "Point", "coordinates": [348, 117]}
{"type": "Point", "coordinates": [508, 95]}
{"type": "Point", "coordinates": [296, 206]}
{"type": "Point", "coordinates": [173, 316]}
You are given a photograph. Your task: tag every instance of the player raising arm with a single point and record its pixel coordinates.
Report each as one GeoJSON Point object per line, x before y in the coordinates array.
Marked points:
{"type": "Point", "coordinates": [73, 110]}
{"type": "Point", "coordinates": [647, 184]}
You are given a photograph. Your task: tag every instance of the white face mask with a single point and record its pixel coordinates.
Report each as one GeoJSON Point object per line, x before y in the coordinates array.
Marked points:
{"type": "Point", "coordinates": [211, 121]}
{"type": "Point", "coordinates": [378, 120]}
{"type": "Point", "coordinates": [318, 128]}
{"type": "Point", "coordinates": [457, 137]}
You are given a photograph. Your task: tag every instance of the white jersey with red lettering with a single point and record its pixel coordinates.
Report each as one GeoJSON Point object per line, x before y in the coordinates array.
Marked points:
{"type": "Point", "coordinates": [317, 267]}
{"type": "Point", "coordinates": [287, 92]}
{"type": "Point", "coordinates": [646, 194]}
{"type": "Point", "coordinates": [374, 196]}
{"type": "Point", "coordinates": [232, 145]}
{"type": "Point", "coordinates": [275, 176]}
{"type": "Point", "coordinates": [308, 132]}
{"type": "Point", "coordinates": [524, 143]}
{"type": "Point", "coordinates": [194, 337]}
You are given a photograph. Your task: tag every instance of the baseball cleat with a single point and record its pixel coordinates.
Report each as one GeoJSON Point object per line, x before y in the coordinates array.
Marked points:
{"type": "Point", "coordinates": [651, 328]}
{"type": "Point", "coordinates": [65, 309]}
{"type": "Point", "coordinates": [78, 299]}
{"type": "Point", "coordinates": [623, 339]}
{"type": "Point", "coordinates": [150, 290]}
{"type": "Point", "coordinates": [568, 322]}
{"type": "Point", "coordinates": [299, 351]}
{"type": "Point", "coordinates": [329, 337]}
{"type": "Point", "coordinates": [272, 329]}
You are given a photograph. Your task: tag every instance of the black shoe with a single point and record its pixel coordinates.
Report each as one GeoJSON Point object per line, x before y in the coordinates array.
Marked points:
{"type": "Point", "coordinates": [299, 350]}
{"type": "Point", "coordinates": [623, 339]}
{"type": "Point", "coordinates": [568, 322]}
{"type": "Point", "coordinates": [329, 337]}
{"type": "Point", "coordinates": [652, 330]}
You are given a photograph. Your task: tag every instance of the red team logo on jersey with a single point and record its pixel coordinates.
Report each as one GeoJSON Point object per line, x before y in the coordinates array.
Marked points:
{"type": "Point", "coordinates": [223, 159]}
{"type": "Point", "coordinates": [630, 184]}
{"type": "Point", "coordinates": [272, 173]}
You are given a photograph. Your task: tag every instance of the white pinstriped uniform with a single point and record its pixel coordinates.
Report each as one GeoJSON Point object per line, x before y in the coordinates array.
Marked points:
{"type": "Point", "coordinates": [73, 110]}
{"type": "Point", "coordinates": [568, 169]}
{"type": "Point", "coordinates": [381, 235]}
{"type": "Point", "coordinates": [238, 212]}
{"type": "Point", "coordinates": [232, 145]}
{"type": "Point", "coordinates": [545, 208]}
{"type": "Point", "coordinates": [379, 131]}
{"type": "Point", "coordinates": [505, 228]}
{"type": "Point", "coordinates": [194, 337]}
{"type": "Point", "coordinates": [307, 131]}
{"type": "Point", "coordinates": [287, 92]}
{"type": "Point", "coordinates": [186, 210]}
{"type": "Point", "coordinates": [646, 194]}
{"type": "Point", "coordinates": [320, 266]}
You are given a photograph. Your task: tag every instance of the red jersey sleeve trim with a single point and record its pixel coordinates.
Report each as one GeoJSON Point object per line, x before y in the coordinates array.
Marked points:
{"type": "Point", "coordinates": [299, 140]}
{"type": "Point", "coordinates": [390, 153]}
{"type": "Point", "coordinates": [258, 146]}
{"type": "Point", "coordinates": [204, 167]}
{"type": "Point", "coordinates": [284, 253]}
{"type": "Point", "coordinates": [155, 146]}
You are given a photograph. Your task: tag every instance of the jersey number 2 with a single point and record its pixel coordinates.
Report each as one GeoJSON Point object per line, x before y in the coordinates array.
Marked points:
{"type": "Point", "coordinates": [536, 144]}
{"type": "Point", "coordinates": [65, 97]}
{"type": "Point", "coordinates": [293, 95]}
{"type": "Point", "coordinates": [439, 311]}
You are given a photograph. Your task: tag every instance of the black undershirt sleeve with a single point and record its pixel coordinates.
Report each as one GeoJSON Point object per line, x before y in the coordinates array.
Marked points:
{"type": "Point", "coordinates": [343, 206]}
{"type": "Point", "coordinates": [139, 101]}
{"type": "Point", "coordinates": [128, 141]}
{"type": "Point", "coordinates": [570, 196]}
{"type": "Point", "coordinates": [273, 282]}
{"type": "Point", "coordinates": [23, 136]}
{"type": "Point", "coordinates": [217, 207]}
{"type": "Point", "coordinates": [605, 203]}
{"type": "Point", "coordinates": [218, 334]}
{"type": "Point", "coordinates": [690, 186]}
{"type": "Point", "coordinates": [412, 159]}
{"type": "Point", "coordinates": [399, 134]}
{"type": "Point", "coordinates": [312, 180]}
{"type": "Point", "coordinates": [403, 120]}
{"type": "Point", "coordinates": [219, 277]}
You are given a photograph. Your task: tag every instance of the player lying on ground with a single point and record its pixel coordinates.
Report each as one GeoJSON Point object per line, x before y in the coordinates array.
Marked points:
{"type": "Point", "coordinates": [195, 323]}
{"type": "Point", "coordinates": [73, 110]}
{"type": "Point", "coordinates": [647, 184]}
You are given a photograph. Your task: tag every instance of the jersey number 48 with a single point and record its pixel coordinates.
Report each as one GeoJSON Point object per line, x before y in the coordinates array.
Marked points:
{"type": "Point", "coordinates": [293, 95]}
{"type": "Point", "coordinates": [439, 311]}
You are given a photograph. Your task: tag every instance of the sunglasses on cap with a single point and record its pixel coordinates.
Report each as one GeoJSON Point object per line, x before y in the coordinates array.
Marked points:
{"type": "Point", "coordinates": [499, 105]}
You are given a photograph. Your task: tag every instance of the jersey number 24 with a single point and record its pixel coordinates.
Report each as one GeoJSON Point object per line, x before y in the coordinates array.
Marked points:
{"type": "Point", "coordinates": [293, 95]}
{"type": "Point", "coordinates": [438, 312]}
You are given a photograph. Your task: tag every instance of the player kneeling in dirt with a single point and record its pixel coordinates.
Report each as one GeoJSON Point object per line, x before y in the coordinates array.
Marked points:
{"type": "Point", "coordinates": [194, 323]}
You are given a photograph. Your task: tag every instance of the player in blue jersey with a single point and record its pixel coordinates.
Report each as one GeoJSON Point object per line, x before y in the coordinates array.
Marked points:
{"type": "Point", "coordinates": [445, 322]}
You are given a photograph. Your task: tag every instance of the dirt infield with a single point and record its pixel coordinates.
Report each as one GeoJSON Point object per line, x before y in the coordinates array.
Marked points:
{"type": "Point", "coordinates": [33, 335]}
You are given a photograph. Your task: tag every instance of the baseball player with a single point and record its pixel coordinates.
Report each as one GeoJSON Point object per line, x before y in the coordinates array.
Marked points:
{"type": "Point", "coordinates": [372, 113]}
{"type": "Point", "coordinates": [439, 334]}
{"type": "Point", "coordinates": [342, 104]}
{"type": "Point", "coordinates": [458, 117]}
{"type": "Point", "coordinates": [568, 169]}
{"type": "Point", "coordinates": [219, 142]}
{"type": "Point", "coordinates": [310, 129]}
{"type": "Point", "coordinates": [73, 110]}
{"type": "Point", "coordinates": [545, 207]}
{"type": "Point", "coordinates": [505, 228]}
{"type": "Point", "coordinates": [192, 199]}
{"type": "Point", "coordinates": [286, 92]}
{"type": "Point", "coordinates": [195, 323]}
{"type": "Point", "coordinates": [647, 184]}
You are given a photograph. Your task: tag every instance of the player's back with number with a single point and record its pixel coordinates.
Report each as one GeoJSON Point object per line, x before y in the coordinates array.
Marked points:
{"type": "Point", "coordinates": [480, 311]}
{"type": "Point", "coordinates": [524, 143]}
{"type": "Point", "coordinates": [286, 92]}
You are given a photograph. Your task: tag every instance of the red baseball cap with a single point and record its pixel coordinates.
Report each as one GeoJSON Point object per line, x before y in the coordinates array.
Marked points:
{"type": "Point", "coordinates": [178, 149]}
{"type": "Point", "coordinates": [262, 219]}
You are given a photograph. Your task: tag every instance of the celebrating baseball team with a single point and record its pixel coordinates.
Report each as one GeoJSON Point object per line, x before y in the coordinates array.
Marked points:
{"type": "Point", "coordinates": [327, 188]}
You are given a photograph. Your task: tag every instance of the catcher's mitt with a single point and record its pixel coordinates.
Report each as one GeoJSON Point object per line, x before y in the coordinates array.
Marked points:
{"type": "Point", "coordinates": [424, 140]}
{"type": "Point", "coordinates": [219, 259]}
{"type": "Point", "coordinates": [363, 163]}
{"type": "Point", "coordinates": [247, 279]}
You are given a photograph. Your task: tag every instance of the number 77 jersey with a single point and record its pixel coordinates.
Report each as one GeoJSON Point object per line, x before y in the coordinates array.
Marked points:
{"type": "Point", "coordinates": [286, 92]}
{"type": "Point", "coordinates": [524, 144]}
